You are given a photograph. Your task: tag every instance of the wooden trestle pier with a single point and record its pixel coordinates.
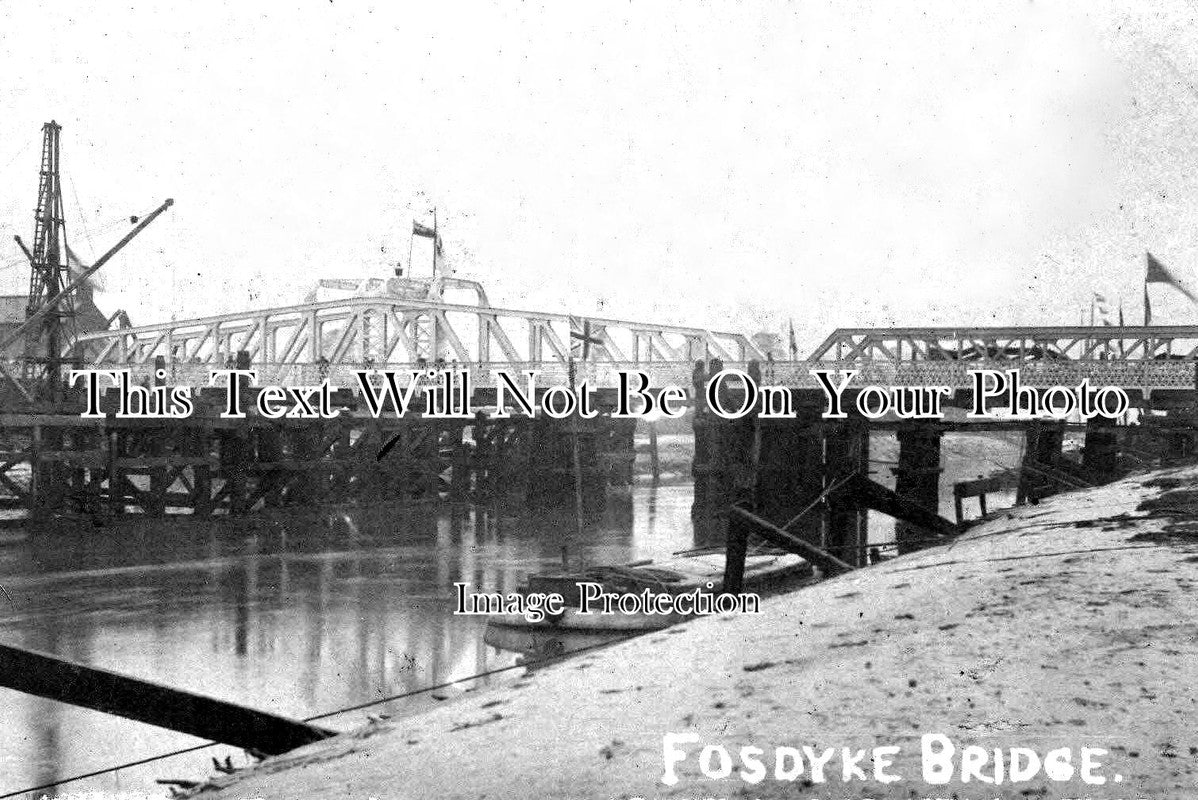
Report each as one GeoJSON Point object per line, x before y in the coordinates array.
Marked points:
{"type": "Point", "coordinates": [807, 477]}
{"type": "Point", "coordinates": [204, 464]}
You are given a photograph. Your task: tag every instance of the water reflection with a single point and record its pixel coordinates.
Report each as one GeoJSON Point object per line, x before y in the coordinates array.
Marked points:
{"type": "Point", "coordinates": [298, 617]}
{"type": "Point", "coordinates": [303, 616]}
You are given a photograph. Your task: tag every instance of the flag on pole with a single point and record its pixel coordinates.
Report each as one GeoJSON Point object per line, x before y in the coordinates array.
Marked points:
{"type": "Point", "coordinates": [582, 338]}
{"type": "Point", "coordinates": [794, 346]}
{"type": "Point", "coordinates": [1121, 351]}
{"type": "Point", "coordinates": [419, 229]}
{"type": "Point", "coordinates": [1159, 273]}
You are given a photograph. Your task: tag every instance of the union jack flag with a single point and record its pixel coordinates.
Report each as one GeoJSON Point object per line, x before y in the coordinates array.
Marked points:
{"type": "Point", "coordinates": [583, 337]}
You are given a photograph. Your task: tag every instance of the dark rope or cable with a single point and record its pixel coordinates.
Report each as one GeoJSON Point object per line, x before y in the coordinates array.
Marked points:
{"type": "Point", "coordinates": [358, 707]}
{"type": "Point", "coordinates": [109, 769]}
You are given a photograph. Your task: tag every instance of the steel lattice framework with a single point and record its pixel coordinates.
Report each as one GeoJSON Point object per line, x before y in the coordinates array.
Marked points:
{"type": "Point", "coordinates": [304, 344]}
{"type": "Point", "coordinates": [1145, 358]}
{"type": "Point", "coordinates": [1105, 343]}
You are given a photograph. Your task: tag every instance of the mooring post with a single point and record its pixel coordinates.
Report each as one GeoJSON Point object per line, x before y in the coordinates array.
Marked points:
{"type": "Point", "coordinates": [917, 478]}
{"type": "Point", "coordinates": [735, 550]}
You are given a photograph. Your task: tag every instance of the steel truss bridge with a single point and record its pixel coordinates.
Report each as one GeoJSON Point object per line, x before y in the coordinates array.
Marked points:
{"type": "Point", "coordinates": [1160, 357]}
{"type": "Point", "coordinates": [305, 344]}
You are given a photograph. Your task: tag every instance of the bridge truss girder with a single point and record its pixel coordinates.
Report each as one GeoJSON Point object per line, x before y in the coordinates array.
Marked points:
{"type": "Point", "coordinates": [316, 340]}
{"type": "Point", "coordinates": [1078, 343]}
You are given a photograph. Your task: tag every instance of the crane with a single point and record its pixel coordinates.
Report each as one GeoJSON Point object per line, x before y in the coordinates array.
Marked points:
{"type": "Point", "coordinates": [50, 310]}
{"type": "Point", "coordinates": [48, 272]}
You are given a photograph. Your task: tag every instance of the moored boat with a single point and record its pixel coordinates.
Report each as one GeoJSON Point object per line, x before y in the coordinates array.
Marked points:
{"type": "Point", "coordinates": [648, 595]}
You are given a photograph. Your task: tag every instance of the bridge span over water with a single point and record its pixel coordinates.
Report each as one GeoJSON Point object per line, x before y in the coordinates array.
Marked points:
{"type": "Point", "coordinates": [305, 344]}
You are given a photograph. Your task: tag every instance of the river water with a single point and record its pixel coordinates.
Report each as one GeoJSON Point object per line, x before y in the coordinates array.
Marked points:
{"type": "Point", "coordinates": [300, 616]}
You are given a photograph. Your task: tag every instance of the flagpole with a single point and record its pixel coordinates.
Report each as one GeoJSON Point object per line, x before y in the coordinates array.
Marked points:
{"type": "Point", "coordinates": [1122, 334]}
{"type": "Point", "coordinates": [1089, 341]}
{"type": "Point", "coordinates": [576, 458]}
{"type": "Point", "coordinates": [434, 241]}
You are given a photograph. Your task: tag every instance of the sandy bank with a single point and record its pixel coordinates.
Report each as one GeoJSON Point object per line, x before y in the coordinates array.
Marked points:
{"type": "Point", "coordinates": [1068, 624]}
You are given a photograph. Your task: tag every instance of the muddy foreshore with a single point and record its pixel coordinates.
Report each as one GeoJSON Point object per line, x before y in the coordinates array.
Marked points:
{"type": "Point", "coordinates": [1071, 624]}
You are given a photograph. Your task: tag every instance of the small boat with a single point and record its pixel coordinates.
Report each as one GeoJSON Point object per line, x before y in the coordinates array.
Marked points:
{"type": "Point", "coordinates": [683, 574]}
{"type": "Point", "coordinates": [542, 643]}
{"type": "Point", "coordinates": [644, 595]}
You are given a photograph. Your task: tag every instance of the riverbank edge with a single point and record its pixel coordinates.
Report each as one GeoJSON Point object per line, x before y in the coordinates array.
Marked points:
{"type": "Point", "coordinates": [1066, 624]}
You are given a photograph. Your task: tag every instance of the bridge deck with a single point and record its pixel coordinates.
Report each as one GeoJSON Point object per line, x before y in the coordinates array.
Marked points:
{"type": "Point", "coordinates": [310, 343]}
{"type": "Point", "coordinates": [1144, 376]}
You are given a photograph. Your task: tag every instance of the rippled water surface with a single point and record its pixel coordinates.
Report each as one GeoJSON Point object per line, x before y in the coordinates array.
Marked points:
{"type": "Point", "coordinates": [299, 615]}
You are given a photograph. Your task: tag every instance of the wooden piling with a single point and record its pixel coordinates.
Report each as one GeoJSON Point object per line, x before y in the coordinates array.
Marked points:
{"type": "Point", "coordinates": [917, 477]}
{"type": "Point", "coordinates": [654, 459]}
{"type": "Point", "coordinates": [1100, 452]}
{"type": "Point", "coordinates": [790, 469]}
{"type": "Point", "coordinates": [846, 451]}
{"type": "Point", "coordinates": [1041, 458]}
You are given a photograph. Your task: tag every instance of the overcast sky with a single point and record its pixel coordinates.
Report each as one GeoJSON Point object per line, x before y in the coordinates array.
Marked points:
{"type": "Point", "coordinates": [718, 164]}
